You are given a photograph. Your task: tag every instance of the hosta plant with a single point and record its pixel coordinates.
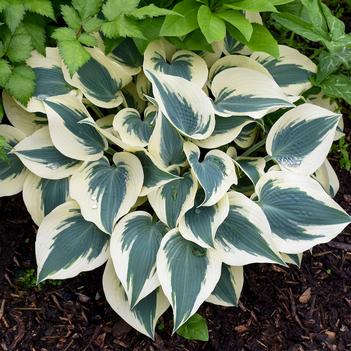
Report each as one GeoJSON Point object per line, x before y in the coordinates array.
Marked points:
{"type": "Point", "coordinates": [177, 169]}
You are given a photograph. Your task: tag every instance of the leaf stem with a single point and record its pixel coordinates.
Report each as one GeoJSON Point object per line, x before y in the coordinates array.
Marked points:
{"type": "Point", "coordinates": [253, 148]}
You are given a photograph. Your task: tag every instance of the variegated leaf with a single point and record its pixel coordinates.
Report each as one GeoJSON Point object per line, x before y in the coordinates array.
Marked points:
{"type": "Point", "coordinates": [292, 71]}
{"type": "Point", "coordinates": [134, 245]}
{"type": "Point", "coordinates": [226, 130]}
{"type": "Point", "coordinates": [246, 92]}
{"type": "Point", "coordinates": [216, 173]}
{"type": "Point", "coordinates": [131, 128]}
{"type": "Point", "coordinates": [12, 170]}
{"type": "Point", "coordinates": [105, 193]}
{"type": "Point", "coordinates": [21, 119]}
{"type": "Point", "coordinates": [300, 140]}
{"type": "Point", "coordinates": [247, 136]}
{"type": "Point", "coordinates": [233, 46]}
{"type": "Point", "coordinates": [69, 135]}
{"type": "Point", "coordinates": [172, 200]}
{"type": "Point", "coordinates": [166, 144]}
{"type": "Point", "coordinates": [212, 57]}
{"type": "Point", "coordinates": [49, 79]}
{"type": "Point", "coordinates": [143, 86]}
{"type": "Point", "coordinates": [200, 224]}
{"type": "Point", "coordinates": [327, 177]}
{"type": "Point", "coordinates": [295, 259]}
{"type": "Point", "coordinates": [155, 175]}
{"type": "Point", "coordinates": [253, 167]}
{"type": "Point", "coordinates": [183, 63]}
{"type": "Point", "coordinates": [245, 236]}
{"type": "Point", "coordinates": [299, 212]}
{"type": "Point", "coordinates": [185, 105]}
{"type": "Point", "coordinates": [41, 196]}
{"type": "Point", "coordinates": [67, 244]}
{"type": "Point", "coordinates": [40, 156]}
{"type": "Point", "coordinates": [188, 274]}
{"type": "Point", "coordinates": [232, 61]}
{"type": "Point", "coordinates": [229, 286]}
{"type": "Point", "coordinates": [100, 79]}
{"type": "Point", "coordinates": [132, 99]}
{"type": "Point", "coordinates": [143, 317]}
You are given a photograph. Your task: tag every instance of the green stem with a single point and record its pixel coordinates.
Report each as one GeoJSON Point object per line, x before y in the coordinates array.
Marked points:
{"type": "Point", "coordinates": [253, 148]}
{"type": "Point", "coordinates": [110, 151]}
{"type": "Point", "coordinates": [97, 111]}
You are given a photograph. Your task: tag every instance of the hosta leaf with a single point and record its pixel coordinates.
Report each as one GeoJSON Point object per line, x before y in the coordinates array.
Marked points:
{"type": "Point", "coordinates": [185, 105]}
{"type": "Point", "coordinates": [253, 167]}
{"type": "Point", "coordinates": [71, 137]}
{"type": "Point", "coordinates": [172, 200]}
{"type": "Point", "coordinates": [247, 136]}
{"type": "Point", "coordinates": [245, 236]}
{"type": "Point", "coordinates": [229, 286]}
{"type": "Point", "coordinates": [38, 153]}
{"type": "Point", "coordinates": [166, 144]}
{"type": "Point", "coordinates": [132, 99]}
{"type": "Point", "coordinates": [299, 212]}
{"type": "Point", "coordinates": [245, 92]}
{"type": "Point", "coordinates": [327, 177]}
{"type": "Point", "coordinates": [226, 130]}
{"type": "Point", "coordinates": [300, 140]}
{"type": "Point", "coordinates": [131, 128]}
{"type": "Point", "coordinates": [188, 274]}
{"type": "Point", "coordinates": [66, 244]}
{"type": "Point", "coordinates": [143, 317]}
{"type": "Point", "coordinates": [183, 63]}
{"type": "Point", "coordinates": [199, 224]}
{"type": "Point", "coordinates": [295, 259]}
{"type": "Point", "coordinates": [12, 170]}
{"type": "Point", "coordinates": [41, 196]}
{"type": "Point", "coordinates": [49, 78]}
{"type": "Point", "coordinates": [100, 79]}
{"type": "Point", "coordinates": [216, 173]}
{"type": "Point", "coordinates": [134, 245]}
{"type": "Point", "coordinates": [154, 174]}
{"type": "Point", "coordinates": [292, 71]}
{"type": "Point", "coordinates": [105, 193]}
{"type": "Point", "coordinates": [21, 119]}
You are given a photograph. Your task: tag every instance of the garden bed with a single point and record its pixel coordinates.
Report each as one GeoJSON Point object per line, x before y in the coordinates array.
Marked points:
{"type": "Point", "coordinates": [280, 308]}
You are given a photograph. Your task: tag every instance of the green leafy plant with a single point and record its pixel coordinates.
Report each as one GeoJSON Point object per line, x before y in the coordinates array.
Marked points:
{"type": "Point", "coordinates": [314, 21]}
{"type": "Point", "coordinates": [177, 168]}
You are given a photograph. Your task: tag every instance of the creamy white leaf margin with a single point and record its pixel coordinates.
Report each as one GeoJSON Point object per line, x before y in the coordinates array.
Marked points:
{"type": "Point", "coordinates": [67, 244]}
{"type": "Point", "coordinates": [301, 139]}
{"type": "Point", "coordinates": [327, 177]}
{"type": "Point", "coordinates": [105, 193]}
{"type": "Point", "coordinates": [300, 213]}
{"type": "Point", "coordinates": [188, 274]}
{"type": "Point", "coordinates": [143, 317]}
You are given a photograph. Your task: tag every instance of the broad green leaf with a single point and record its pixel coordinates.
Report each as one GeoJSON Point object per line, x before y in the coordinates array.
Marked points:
{"type": "Point", "coordinates": [229, 286]}
{"type": "Point", "coordinates": [39, 155]}
{"type": "Point", "coordinates": [87, 39]}
{"type": "Point", "coordinates": [34, 26]}
{"type": "Point", "coordinates": [301, 215]}
{"type": "Point", "coordinates": [300, 140]}
{"type": "Point", "coordinates": [122, 26]}
{"type": "Point", "coordinates": [12, 170]}
{"type": "Point", "coordinates": [134, 245]}
{"type": "Point", "coordinates": [21, 119]}
{"type": "Point", "coordinates": [314, 11]}
{"type": "Point", "coordinates": [246, 92]}
{"type": "Point", "coordinates": [195, 41]}
{"type": "Point", "coordinates": [188, 274]}
{"type": "Point", "coordinates": [237, 20]}
{"type": "Point", "coordinates": [115, 8]}
{"type": "Point", "coordinates": [337, 86]}
{"type": "Point", "coordinates": [211, 25]}
{"type": "Point", "coordinates": [200, 223]}
{"type": "Point", "coordinates": [254, 6]}
{"type": "Point", "coordinates": [18, 44]}
{"type": "Point", "coordinates": [13, 15]}
{"type": "Point", "coordinates": [41, 196]}
{"type": "Point", "coordinates": [143, 317]}
{"type": "Point", "coordinates": [172, 200]}
{"type": "Point", "coordinates": [151, 10]}
{"type": "Point", "coordinates": [181, 25]}
{"type": "Point", "coordinates": [132, 129]}
{"type": "Point", "coordinates": [183, 63]}
{"type": "Point", "coordinates": [184, 104]}
{"type": "Point", "coordinates": [64, 34]}
{"type": "Point", "coordinates": [66, 244]}
{"type": "Point", "coordinates": [166, 144]}
{"type": "Point", "coordinates": [292, 71]}
{"type": "Point", "coordinates": [105, 193]}
{"type": "Point", "coordinates": [100, 79]}
{"type": "Point", "coordinates": [41, 7]}
{"type": "Point", "coordinates": [195, 328]}
{"type": "Point", "coordinates": [215, 173]}
{"type": "Point", "coordinates": [155, 175]}
{"type": "Point", "coordinates": [245, 236]}
{"type": "Point", "coordinates": [21, 83]}
{"type": "Point", "coordinates": [336, 26]}
{"type": "Point", "coordinates": [69, 135]}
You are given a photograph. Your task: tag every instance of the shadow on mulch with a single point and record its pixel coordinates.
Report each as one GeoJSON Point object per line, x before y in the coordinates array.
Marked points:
{"type": "Point", "coordinates": [280, 309]}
